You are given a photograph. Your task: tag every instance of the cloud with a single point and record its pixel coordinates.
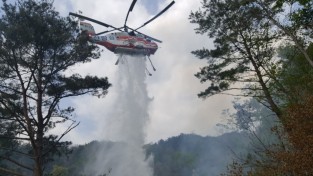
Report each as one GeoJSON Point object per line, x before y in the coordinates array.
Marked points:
{"type": "Point", "coordinates": [175, 107]}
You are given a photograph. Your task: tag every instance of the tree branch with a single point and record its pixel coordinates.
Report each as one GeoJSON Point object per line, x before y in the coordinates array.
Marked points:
{"type": "Point", "coordinates": [18, 138]}
{"type": "Point", "coordinates": [15, 162]}
{"type": "Point", "coordinates": [7, 171]}
{"type": "Point", "coordinates": [15, 151]}
{"type": "Point", "coordinates": [70, 128]}
{"type": "Point", "coordinates": [294, 38]}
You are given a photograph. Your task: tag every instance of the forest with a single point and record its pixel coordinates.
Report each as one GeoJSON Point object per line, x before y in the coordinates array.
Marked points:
{"type": "Point", "coordinates": [263, 53]}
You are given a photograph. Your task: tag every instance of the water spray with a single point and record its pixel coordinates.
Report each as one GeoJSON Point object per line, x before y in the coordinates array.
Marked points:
{"type": "Point", "coordinates": [127, 157]}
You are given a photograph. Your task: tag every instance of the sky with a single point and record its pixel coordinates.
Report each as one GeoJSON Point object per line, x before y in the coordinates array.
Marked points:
{"type": "Point", "coordinates": [173, 88]}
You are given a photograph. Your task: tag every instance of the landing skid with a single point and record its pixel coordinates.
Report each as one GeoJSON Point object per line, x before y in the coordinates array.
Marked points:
{"type": "Point", "coordinates": [120, 57]}
{"type": "Point", "coordinates": [151, 63]}
{"type": "Point", "coordinates": [151, 66]}
{"type": "Point", "coordinates": [148, 73]}
{"type": "Point", "coordinates": [118, 60]}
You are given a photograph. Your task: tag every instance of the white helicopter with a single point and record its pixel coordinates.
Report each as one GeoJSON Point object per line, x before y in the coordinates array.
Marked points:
{"type": "Point", "coordinates": [122, 40]}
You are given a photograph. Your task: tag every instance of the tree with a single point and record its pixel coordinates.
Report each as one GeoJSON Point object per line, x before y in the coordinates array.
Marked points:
{"type": "Point", "coordinates": [296, 157]}
{"type": "Point", "coordinates": [302, 16]}
{"type": "Point", "coordinates": [295, 74]}
{"type": "Point", "coordinates": [243, 54]}
{"type": "Point", "coordinates": [37, 47]}
{"type": "Point", "coordinates": [258, 123]}
{"type": "Point", "coordinates": [290, 155]}
{"type": "Point", "coordinates": [245, 59]}
{"type": "Point", "coordinates": [59, 171]}
{"type": "Point", "coordinates": [299, 25]}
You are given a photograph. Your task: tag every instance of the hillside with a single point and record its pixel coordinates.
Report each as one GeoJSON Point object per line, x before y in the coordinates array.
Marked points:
{"type": "Point", "coordinates": [190, 154]}
{"type": "Point", "coordinates": [183, 155]}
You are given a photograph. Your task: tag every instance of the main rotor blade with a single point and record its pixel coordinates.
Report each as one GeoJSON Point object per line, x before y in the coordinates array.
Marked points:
{"type": "Point", "coordinates": [108, 31]}
{"type": "Point", "coordinates": [130, 9]}
{"type": "Point", "coordinates": [93, 20]}
{"type": "Point", "coordinates": [167, 7]}
{"type": "Point", "coordinates": [151, 38]}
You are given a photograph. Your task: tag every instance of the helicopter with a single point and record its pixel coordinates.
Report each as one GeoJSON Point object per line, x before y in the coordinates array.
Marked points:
{"type": "Point", "coordinates": [122, 40]}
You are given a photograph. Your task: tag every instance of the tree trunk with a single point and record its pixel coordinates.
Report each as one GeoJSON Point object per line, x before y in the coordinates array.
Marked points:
{"type": "Point", "coordinates": [38, 167]}
{"type": "Point", "coordinates": [40, 121]}
{"type": "Point", "coordinates": [38, 170]}
{"type": "Point", "coordinates": [266, 92]}
{"type": "Point", "coordinates": [265, 89]}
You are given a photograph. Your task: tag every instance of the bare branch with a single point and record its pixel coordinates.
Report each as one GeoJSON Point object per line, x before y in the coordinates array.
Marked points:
{"type": "Point", "coordinates": [70, 128]}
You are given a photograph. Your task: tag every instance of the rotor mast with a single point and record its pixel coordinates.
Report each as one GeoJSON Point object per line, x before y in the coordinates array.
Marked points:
{"type": "Point", "coordinates": [129, 10]}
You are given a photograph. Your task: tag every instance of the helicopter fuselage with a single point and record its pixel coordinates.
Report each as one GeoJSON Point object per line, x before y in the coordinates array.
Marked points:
{"type": "Point", "coordinates": [124, 43]}
{"type": "Point", "coordinates": [121, 42]}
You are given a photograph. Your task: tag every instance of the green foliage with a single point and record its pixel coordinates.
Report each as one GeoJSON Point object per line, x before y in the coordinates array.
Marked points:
{"type": "Point", "coordinates": [246, 34]}
{"type": "Point", "coordinates": [59, 171]}
{"type": "Point", "coordinates": [189, 154]}
{"type": "Point", "coordinates": [302, 16]}
{"type": "Point", "coordinates": [76, 163]}
{"type": "Point", "coordinates": [241, 44]}
{"type": "Point", "coordinates": [182, 155]}
{"type": "Point", "coordinates": [295, 74]}
{"type": "Point", "coordinates": [288, 154]}
{"type": "Point", "coordinates": [243, 57]}
{"type": "Point", "coordinates": [75, 85]}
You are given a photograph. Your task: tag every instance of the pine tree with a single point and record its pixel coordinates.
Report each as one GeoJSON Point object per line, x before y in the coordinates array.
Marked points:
{"type": "Point", "coordinates": [243, 54]}
{"type": "Point", "coordinates": [299, 25]}
{"type": "Point", "coordinates": [37, 46]}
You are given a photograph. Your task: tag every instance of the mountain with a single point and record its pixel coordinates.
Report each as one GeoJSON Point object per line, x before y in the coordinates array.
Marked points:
{"type": "Point", "coordinates": [193, 155]}
{"type": "Point", "coordinates": [183, 155]}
